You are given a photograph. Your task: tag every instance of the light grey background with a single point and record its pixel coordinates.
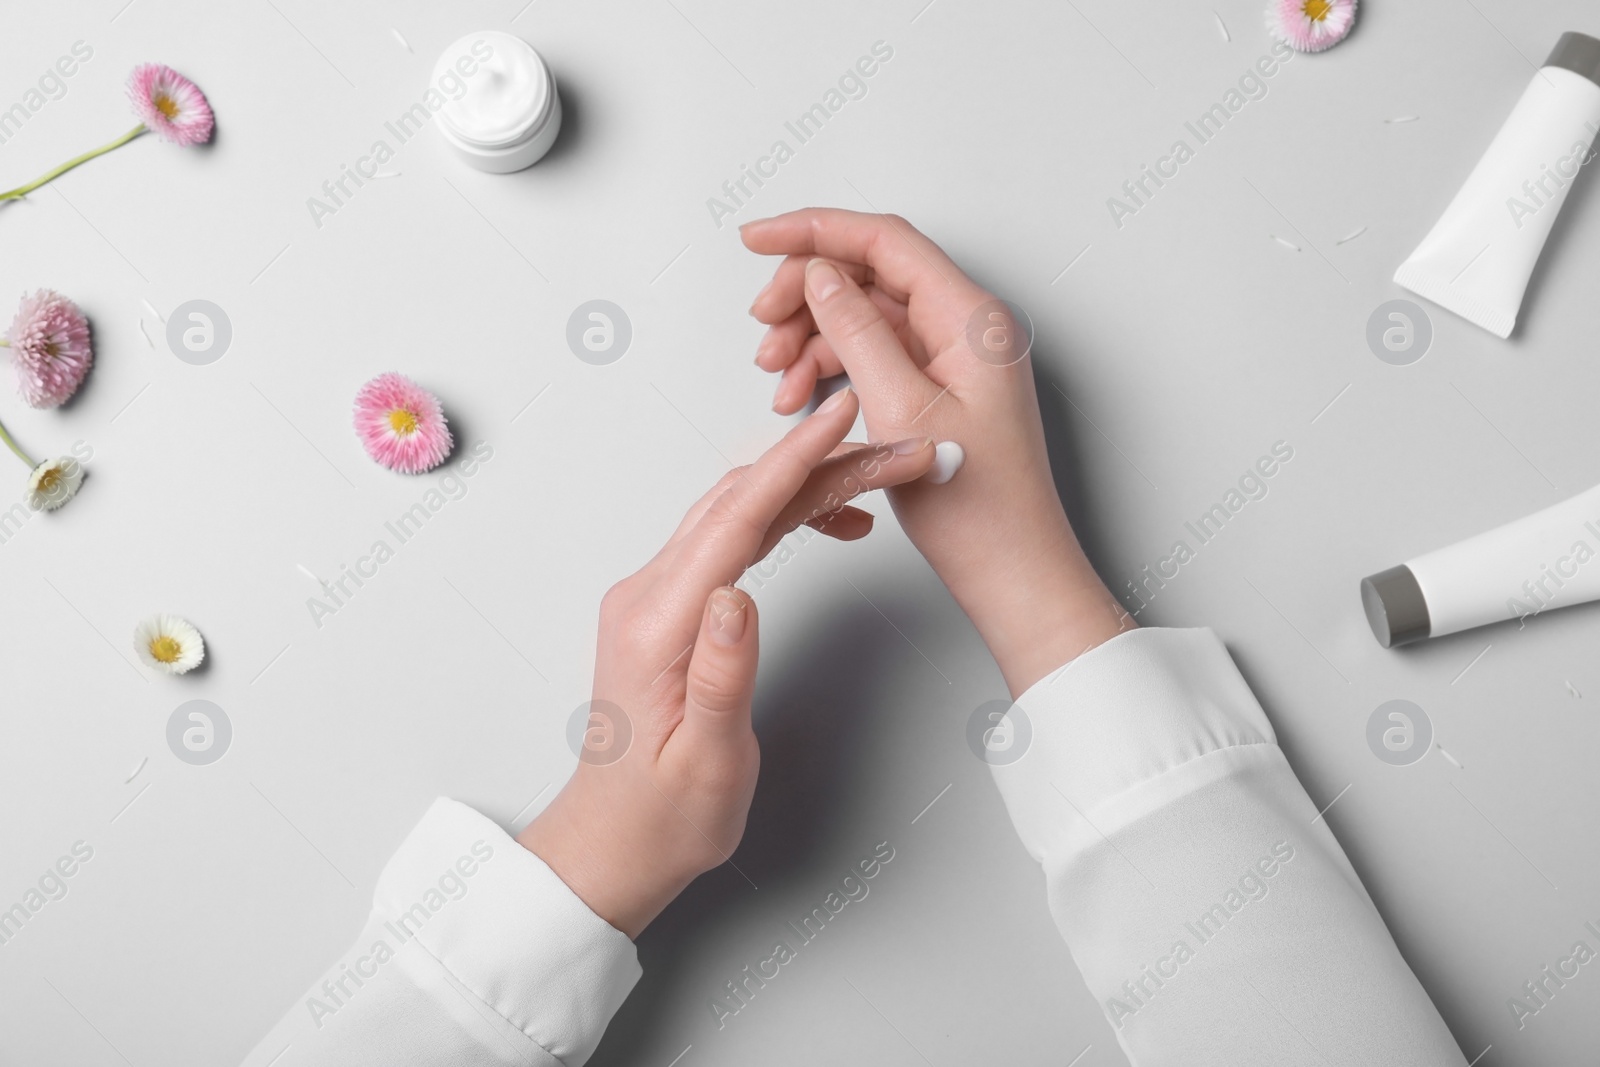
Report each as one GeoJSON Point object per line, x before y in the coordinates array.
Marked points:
{"type": "Point", "coordinates": [1227, 315]}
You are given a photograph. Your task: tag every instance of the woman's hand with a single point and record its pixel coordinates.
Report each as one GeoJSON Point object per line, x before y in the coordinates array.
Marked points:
{"type": "Point", "coordinates": [932, 353]}
{"type": "Point", "coordinates": [669, 763]}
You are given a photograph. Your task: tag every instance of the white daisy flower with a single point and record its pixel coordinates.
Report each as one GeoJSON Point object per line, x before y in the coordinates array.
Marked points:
{"type": "Point", "coordinates": [53, 483]}
{"type": "Point", "coordinates": [169, 644]}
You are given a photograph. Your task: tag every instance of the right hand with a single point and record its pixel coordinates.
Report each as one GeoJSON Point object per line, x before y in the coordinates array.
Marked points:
{"type": "Point", "coordinates": [869, 296]}
{"type": "Point", "coordinates": [676, 663]}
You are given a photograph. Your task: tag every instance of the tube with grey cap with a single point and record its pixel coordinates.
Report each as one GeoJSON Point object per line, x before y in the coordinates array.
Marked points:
{"type": "Point", "coordinates": [1478, 258]}
{"type": "Point", "coordinates": [1548, 559]}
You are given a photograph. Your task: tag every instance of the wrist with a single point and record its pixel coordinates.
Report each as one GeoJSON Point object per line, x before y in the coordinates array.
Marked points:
{"type": "Point", "coordinates": [611, 871]}
{"type": "Point", "coordinates": [1040, 611]}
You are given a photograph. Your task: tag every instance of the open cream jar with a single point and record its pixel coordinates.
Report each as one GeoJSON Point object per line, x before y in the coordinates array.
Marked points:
{"type": "Point", "coordinates": [508, 113]}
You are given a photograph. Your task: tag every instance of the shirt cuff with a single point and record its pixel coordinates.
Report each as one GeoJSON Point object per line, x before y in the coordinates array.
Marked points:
{"type": "Point", "coordinates": [1108, 730]}
{"type": "Point", "coordinates": [507, 928]}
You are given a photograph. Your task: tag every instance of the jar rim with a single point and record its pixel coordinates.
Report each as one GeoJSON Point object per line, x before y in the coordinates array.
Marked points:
{"type": "Point", "coordinates": [530, 123]}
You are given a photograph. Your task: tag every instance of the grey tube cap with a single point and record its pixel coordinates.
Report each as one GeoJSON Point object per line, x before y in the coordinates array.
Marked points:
{"type": "Point", "coordinates": [1395, 607]}
{"type": "Point", "coordinates": [1579, 53]}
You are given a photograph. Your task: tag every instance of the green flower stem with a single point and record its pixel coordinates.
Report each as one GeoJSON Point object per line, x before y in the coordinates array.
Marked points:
{"type": "Point", "coordinates": [23, 190]}
{"type": "Point", "coordinates": [13, 446]}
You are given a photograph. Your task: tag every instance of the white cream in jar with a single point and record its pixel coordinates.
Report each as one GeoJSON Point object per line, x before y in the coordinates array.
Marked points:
{"type": "Point", "coordinates": [502, 112]}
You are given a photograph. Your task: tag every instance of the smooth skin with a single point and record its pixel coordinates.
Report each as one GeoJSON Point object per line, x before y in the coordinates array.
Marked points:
{"type": "Point", "coordinates": [867, 296]}
{"type": "Point", "coordinates": [677, 659]}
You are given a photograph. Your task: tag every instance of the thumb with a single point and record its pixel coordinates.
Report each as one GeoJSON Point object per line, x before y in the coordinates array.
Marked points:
{"type": "Point", "coordinates": [722, 669]}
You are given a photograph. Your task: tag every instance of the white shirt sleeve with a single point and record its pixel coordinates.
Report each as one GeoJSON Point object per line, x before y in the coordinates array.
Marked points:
{"type": "Point", "coordinates": [1212, 913]}
{"type": "Point", "coordinates": [475, 953]}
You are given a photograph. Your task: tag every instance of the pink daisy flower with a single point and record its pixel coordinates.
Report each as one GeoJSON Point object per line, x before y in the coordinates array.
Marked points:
{"type": "Point", "coordinates": [401, 424]}
{"type": "Point", "coordinates": [1311, 25]}
{"type": "Point", "coordinates": [170, 104]}
{"type": "Point", "coordinates": [49, 344]}
{"type": "Point", "coordinates": [167, 102]}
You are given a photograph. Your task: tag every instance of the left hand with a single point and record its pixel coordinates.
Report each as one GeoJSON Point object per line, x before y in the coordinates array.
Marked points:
{"type": "Point", "coordinates": [676, 669]}
{"type": "Point", "coordinates": [935, 353]}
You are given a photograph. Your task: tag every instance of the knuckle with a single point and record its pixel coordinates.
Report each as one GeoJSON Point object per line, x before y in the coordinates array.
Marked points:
{"type": "Point", "coordinates": [725, 508]}
{"type": "Point", "coordinates": [856, 318]}
{"type": "Point", "coordinates": [625, 620]}
{"type": "Point", "coordinates": [615, 604]}
{"type": "Point", "coordinates": [716, 686]}
{"type": "Point", "coordinates": [729, 509]}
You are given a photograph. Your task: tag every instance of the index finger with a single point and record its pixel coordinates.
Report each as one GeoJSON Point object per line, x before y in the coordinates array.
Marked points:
{"type": "Point", "coordinates": [724, 540]}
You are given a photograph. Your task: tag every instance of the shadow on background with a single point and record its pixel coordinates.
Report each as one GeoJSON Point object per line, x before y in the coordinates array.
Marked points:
{"type": "Point", "coordinates": [568, 141]}
{"type": "Point", "coordinates": [1063, 442]}
{"type": "Point", "coordinates": [819, 700]}
{"type": "Point", "coordinates": [818, 706]}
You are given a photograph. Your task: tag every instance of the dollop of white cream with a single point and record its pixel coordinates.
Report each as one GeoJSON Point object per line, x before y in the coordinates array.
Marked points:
{"type": "Point", "coordinates": [948, 456]}
{"type": "Point", "coordinates": [496, 99]}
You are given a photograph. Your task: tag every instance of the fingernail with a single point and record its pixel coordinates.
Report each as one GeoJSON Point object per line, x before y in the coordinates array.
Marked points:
{"type": "Point", "coordinates": [727, 617]}
{"type": "Point", "coordinates": [761, 349]}
{"type": "Point", "coordinates": [834, 402]}
{"type": "Point", "coordinates": [822, 279]}
{"type": "Point", "coordinates": [947, 459]}
{"type": "Point", "coordinates": [910, 446]}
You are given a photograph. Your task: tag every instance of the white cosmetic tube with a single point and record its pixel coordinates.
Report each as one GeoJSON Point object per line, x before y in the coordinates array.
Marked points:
{"type": "Point", "coordinates": [1549, 559]}
{"type": "Point", "coordinates": [1476, 261]}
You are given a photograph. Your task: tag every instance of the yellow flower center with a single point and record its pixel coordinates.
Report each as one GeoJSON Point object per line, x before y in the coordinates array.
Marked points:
{"type": "Point", "coordinates": [169, 107]}
{"type": "Point", "coordinates": [1316, 10]}
{"type": "Point", "coordinates": [402, 422]}
{"type": "Point", "coordinates": [49, 480]}
{"type": "Point", "coordinates": [165, 649]}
